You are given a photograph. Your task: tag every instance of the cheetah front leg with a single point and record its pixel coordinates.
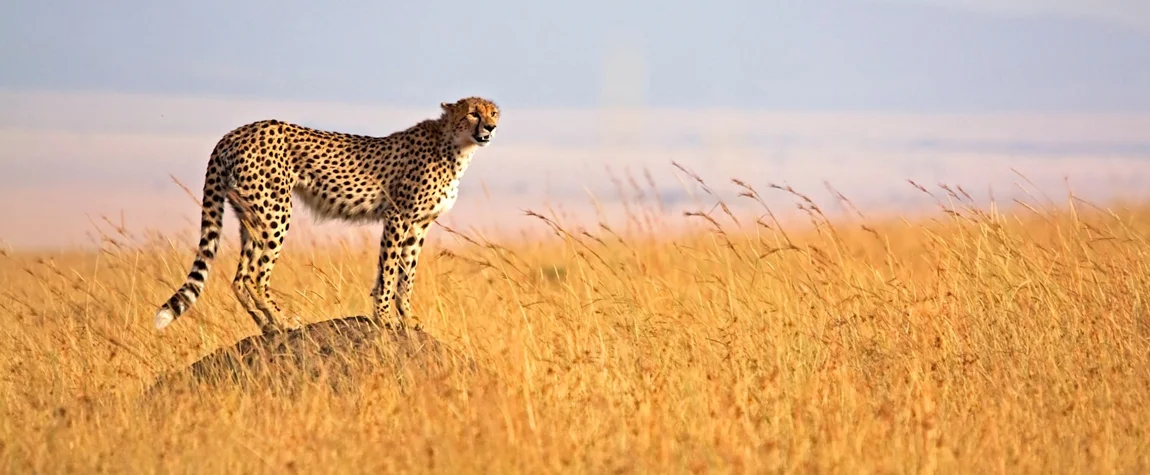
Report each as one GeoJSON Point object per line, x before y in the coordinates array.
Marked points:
{"type": "Point", "coordinates": [409, 260]}
{"type": "Point", "coordinates": [394, 231]}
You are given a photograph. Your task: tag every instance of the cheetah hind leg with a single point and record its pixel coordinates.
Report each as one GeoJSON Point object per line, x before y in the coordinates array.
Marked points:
{"type": "Point", "coordinates": [242, 283]}
{"type": "Point", "coordinates": [259, 248]}
{"type": "Point", "coordinates": [269, 252]}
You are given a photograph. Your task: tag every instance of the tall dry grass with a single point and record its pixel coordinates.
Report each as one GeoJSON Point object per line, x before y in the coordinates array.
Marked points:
{"type": "Point", "coordinates": [969, 341]}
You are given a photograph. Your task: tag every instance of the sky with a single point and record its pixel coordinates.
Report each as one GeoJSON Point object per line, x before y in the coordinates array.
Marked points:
{"type": "Point", "coordinates": [102, 103]}
{"type": "Point", "coordinates": [919, 55]}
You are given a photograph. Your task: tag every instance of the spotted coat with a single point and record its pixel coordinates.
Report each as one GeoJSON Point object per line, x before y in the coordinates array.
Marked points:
{"type": "Point", "coordinates": [404, 180]}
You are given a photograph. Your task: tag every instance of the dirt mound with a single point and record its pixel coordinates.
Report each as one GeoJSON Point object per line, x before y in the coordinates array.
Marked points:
{"type": "Point", "coordinates": [334, 351]}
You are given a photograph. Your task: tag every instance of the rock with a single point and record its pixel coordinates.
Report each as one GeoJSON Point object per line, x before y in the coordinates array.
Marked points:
{"type": "Point", "coordinates": [338, 352]}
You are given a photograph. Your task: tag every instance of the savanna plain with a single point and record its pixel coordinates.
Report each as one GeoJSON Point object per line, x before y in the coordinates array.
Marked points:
{"type": "Point", "coordinates": [972, 339]}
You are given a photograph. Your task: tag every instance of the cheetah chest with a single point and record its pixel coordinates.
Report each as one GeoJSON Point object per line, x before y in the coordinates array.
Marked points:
{"type": "Point", "coordinates": [446, 199]}
{"type": "Point", "coordinates": [449, 189]}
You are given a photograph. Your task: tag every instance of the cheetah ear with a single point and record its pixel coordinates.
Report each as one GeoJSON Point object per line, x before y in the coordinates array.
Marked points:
{"type": "Point", "coordinates": [445, 106]}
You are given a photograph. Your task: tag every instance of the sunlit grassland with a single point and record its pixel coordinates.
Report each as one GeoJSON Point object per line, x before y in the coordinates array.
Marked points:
{"type": "Point", "coordinates": [971, 340]}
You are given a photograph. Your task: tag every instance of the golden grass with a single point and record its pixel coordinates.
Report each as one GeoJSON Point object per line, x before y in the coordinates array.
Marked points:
{"type": "Point", "coordinates": [966, 342]}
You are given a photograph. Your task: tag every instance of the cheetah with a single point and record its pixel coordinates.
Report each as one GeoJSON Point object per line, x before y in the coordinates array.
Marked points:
{"type": "Point", "coordinates": [404, 180]}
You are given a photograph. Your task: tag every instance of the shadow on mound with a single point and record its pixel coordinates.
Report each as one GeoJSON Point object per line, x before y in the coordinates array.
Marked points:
{"type": "Point", "coordinates": [339, 352]}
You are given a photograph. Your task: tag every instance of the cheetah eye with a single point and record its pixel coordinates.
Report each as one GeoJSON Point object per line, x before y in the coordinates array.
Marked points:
{"type": "Point", "coordinates": [474, 114]}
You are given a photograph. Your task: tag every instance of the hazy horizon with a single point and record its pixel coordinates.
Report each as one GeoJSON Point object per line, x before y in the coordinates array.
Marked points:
{"type": "Point", "coordinates": [62, 171]}
{"type": "Point", "coordinates": [101, 102]}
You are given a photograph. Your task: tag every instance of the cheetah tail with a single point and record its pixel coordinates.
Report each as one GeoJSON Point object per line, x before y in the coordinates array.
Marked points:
{"type": "Point", "coordinates": [211, 221]}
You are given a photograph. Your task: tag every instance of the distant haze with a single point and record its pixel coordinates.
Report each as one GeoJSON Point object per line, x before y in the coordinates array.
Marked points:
{"type": "Point", "coordinates": [101, 101]}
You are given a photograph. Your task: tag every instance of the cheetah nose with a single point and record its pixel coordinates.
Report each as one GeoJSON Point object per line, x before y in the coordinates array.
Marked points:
{"type": "Point", "coordinates": [489, 128]}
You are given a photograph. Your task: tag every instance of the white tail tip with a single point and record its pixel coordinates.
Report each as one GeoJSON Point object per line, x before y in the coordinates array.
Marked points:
{"type": "Point", "coordinates": [164, 318]}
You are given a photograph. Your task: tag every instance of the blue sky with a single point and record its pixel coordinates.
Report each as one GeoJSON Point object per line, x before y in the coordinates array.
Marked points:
{"type": "Point", "coordinates": [908, 55]}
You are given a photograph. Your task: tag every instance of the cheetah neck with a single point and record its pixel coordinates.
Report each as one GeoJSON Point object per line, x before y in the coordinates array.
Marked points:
{"type": "Point", "coordinates": [460, 157]}
{"type": "Point", "coordinates": [456, 155]}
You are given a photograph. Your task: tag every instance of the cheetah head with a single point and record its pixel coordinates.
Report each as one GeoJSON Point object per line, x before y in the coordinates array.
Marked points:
{"type": "Point", "coordinates": [471, 120]}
